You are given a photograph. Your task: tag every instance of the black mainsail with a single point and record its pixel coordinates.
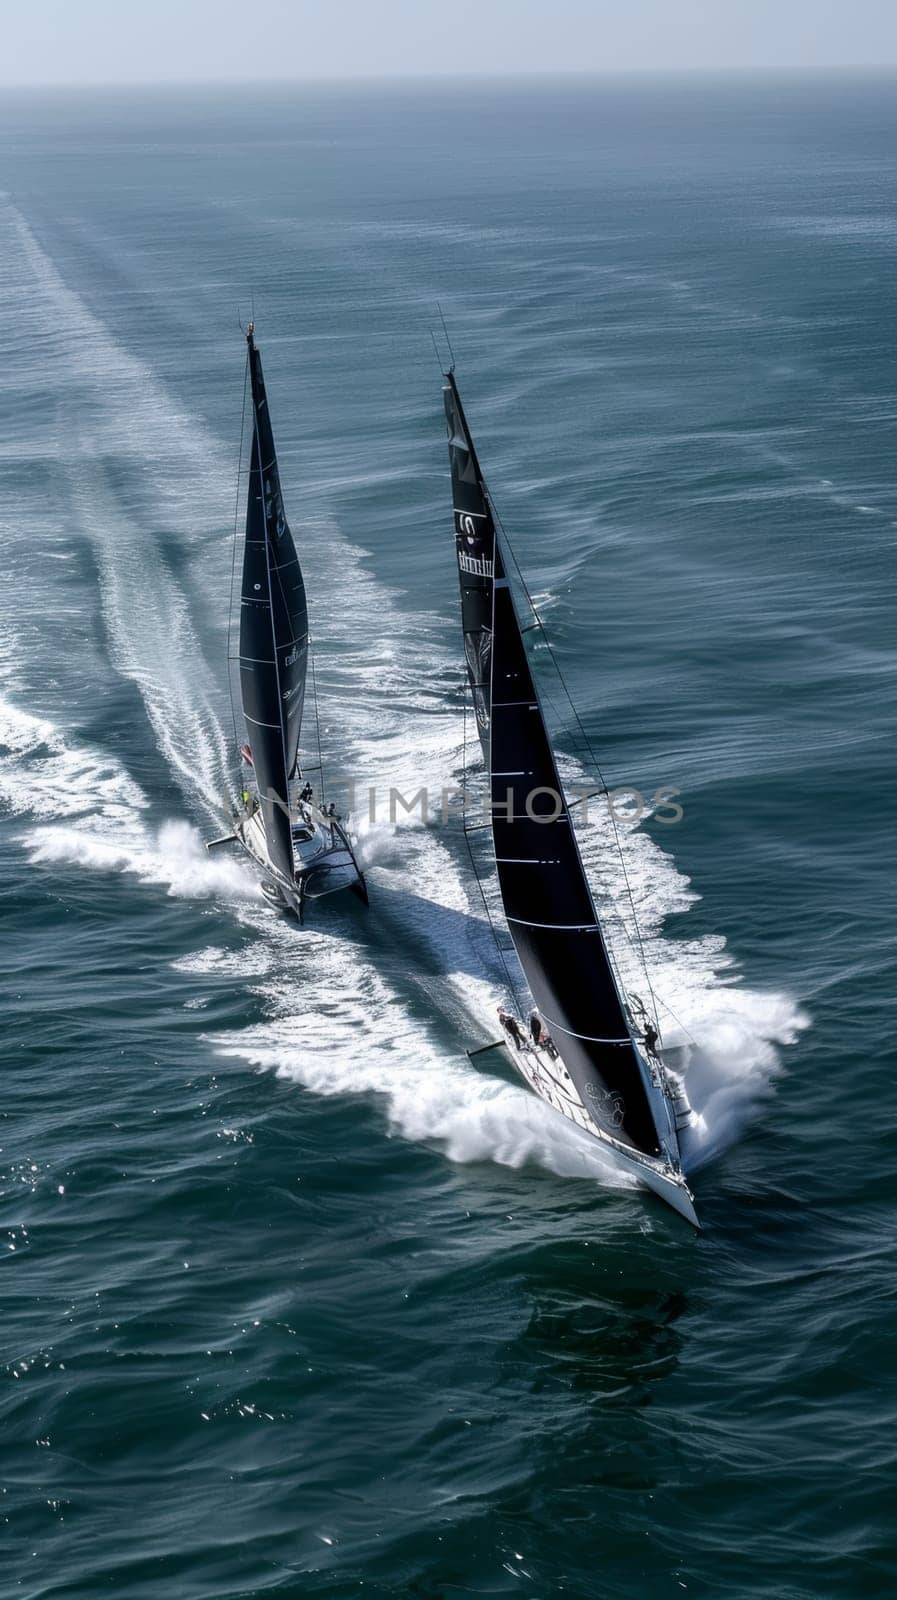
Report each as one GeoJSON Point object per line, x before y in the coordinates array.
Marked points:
{"type": "Point", "coordinates": [273, 632]}
{"type": "Point", "coordinates": [545, 894]}
{"type": "Point", "coordinates": [546, 897]}
{"type": "Point", "coordinates": [301, 845]}
{"type": "Point", "coordinates": [475, 548]}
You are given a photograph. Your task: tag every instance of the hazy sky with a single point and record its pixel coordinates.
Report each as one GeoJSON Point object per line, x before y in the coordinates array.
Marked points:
{"type": "Point", "coordinates": [118, 41]}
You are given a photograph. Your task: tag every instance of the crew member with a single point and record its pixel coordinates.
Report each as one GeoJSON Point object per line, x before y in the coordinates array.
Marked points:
{"type": "Point", "coordinates": [512, 1028]}
{"type": "Point", "coordinates": [651, 1038]}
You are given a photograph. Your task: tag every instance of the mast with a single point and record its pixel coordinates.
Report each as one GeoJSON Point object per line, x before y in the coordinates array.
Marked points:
{"type": "Point", "coordinates": [273, 631]}
{"type": "Point", "coordinates": [544, 890]}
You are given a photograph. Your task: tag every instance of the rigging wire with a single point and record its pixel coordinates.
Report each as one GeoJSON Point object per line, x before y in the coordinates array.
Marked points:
{"type": "Point", "coordinates": [664, 1006]}
{"type": "Point", "coordinates": [436, 352]}
{"type": "Point", "coordinates": [314, 695]}
{"type": "Point", "coordinates": [510, 985]}
{"type": "Point", "coordinates": [447, 339]}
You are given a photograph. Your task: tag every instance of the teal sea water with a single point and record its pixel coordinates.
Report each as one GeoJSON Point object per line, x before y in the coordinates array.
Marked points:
{"type": "Point", "coordinates": [296, 1301]}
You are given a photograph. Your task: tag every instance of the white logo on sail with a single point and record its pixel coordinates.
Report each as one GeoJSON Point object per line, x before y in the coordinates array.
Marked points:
{"type": "Point", "coordinates": [478, 566]}
{"type": "Point", "coordinates": [610, 1101]}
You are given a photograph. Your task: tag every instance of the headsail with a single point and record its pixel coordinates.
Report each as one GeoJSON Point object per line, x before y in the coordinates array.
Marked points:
{"type": "Point", "coordinates": [474, 547]}
{"type": "Point", "coordinates": [273, 632]}
{"type": "Point", "coordinates": [545, 894]}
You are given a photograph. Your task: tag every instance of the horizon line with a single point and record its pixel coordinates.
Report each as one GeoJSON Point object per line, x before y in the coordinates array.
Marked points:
{"type": "Point", "coordinates": [485, 75]}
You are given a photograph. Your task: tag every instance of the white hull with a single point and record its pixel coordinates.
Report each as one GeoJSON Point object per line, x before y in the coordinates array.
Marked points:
{"type": "Point", "coordinates": [550, 1080]}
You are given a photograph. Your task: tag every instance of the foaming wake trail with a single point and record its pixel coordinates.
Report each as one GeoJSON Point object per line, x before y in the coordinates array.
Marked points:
{"type": "Point", "coordinates": [85, 810]}
{"type": "Point", "coordinates": [354, 1032]}
{"type": "Point", "coordinates": [427, 1095]}
{"type": "Point", "coordinates": [152, 640]}
{"type": "Point", "coordinates": [137, 470]}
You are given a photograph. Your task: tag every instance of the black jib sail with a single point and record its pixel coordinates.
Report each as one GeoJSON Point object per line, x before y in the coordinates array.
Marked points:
{"type": "Point", "coordinates": [474, 546]}
{"type": "Point", "coordinates": [273, 632]}
{"type": "Point", "coordinates": [546, 898]}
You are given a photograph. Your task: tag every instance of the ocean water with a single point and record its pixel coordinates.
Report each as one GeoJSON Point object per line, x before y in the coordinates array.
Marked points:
{"type": "Point", "coordinates": [299, 1301]}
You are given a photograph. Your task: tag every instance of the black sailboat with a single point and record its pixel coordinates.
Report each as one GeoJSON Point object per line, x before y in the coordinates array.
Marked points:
{"type": "Point", "coordinates": [303, 850]}
{"type": "Point", "coordinates": [584, 1053]}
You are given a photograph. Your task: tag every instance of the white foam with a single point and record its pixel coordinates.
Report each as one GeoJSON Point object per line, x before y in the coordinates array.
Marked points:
{"type": "Point", "coordinates": [427, 1096]}
{"type": "Point", "coordinates": [172, 856]}
{"type": "Point", "coordinates": [92, 814]}
{"type": "Point", "coordinates": [250, 961]}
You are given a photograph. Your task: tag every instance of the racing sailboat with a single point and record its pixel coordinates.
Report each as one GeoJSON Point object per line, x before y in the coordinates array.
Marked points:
{"type": "Point", "coordinates": [590, 1050]}
{"type": "Point", "coordinates": [302, 849]}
